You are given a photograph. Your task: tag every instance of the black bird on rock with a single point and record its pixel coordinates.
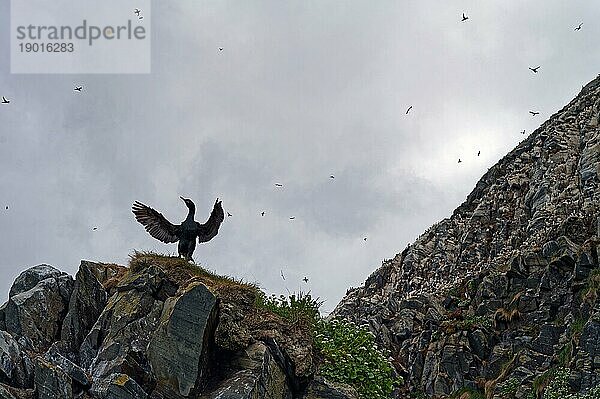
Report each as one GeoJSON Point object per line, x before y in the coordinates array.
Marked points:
{"type": "Point", "coordinates": [186, 233]}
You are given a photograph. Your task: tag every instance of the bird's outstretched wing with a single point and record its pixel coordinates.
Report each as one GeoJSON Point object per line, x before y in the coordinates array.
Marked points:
{"type": "Point", "coordinates": [155, 223]}
{"type": "Point", "coordinates": [208, 230]}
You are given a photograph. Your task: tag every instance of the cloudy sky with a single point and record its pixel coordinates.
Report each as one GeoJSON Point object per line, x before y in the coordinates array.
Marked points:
{"type": "Point", "coordinates": [302, 90]}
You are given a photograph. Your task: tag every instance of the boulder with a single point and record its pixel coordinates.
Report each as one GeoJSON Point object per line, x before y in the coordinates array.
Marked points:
{"type": "Point", "coordinates": [80, 378]}
{"type": "Point", "coordinates": [321, 388]}
{"type": "Point", "coordinates": [32, 276]}
{"type": "Point", "coordinates": [85, 306]}
{"type": "Point", "coordinates": [118, 386]}
{"type": "Point", "coordinates": [35, 313]}
{"type": "Point", "coordinates": [12, 363]}
{"type": "Point", "coordinates": [252, 374]}
{"type": "Point", "coordinates": [117, 342]}
{"type": "Point", "coordinates": [51, 382]}
{"type": "Point", "coordinates": [179, 350]}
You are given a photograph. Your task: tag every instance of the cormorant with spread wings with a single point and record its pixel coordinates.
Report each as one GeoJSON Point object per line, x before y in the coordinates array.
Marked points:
{"type": "Point", "coordinates": [186, 233]}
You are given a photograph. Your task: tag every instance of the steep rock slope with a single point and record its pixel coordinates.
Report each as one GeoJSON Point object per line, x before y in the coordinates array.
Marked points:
{"type": "Point", "coordinates": [505, 289]}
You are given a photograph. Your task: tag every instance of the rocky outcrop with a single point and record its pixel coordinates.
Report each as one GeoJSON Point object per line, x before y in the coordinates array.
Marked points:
{"type": "Point", "coordinates": [160, 329]}
{"type": "Point", "coordinates": [505, 290]}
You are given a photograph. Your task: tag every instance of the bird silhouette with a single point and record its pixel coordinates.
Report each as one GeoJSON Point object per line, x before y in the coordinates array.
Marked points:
{"type": "Point", "coordinates": [459, 161]}
{"type": "Point", "coordinates": [78, 88]}
{"type": "Point", "coordinates": [534, 113]}
{"type": "Point", "coordinates": [292, 217]}
{"type": "Point", "coordinates": [220, 48]}
{"type": "Point", "coordinates": [523, 132]}
{"type": "Point", "coordinates": [95, 228]}
{"type": "Point", "coordinates": [331, 176]}
{"type": "Point", "coordinates": [478, 153]}
{"type": "Point", "coordinates": [579, 26]}
{"type": "Point", "coordinates": [365, 239]}
{"type": "Point", "coordinates": [229, 214]}
{"type": "Point", "coordinates": [262, 213]}
{"type": "Point", "coordinates": [278, 185]}
{"type": "Point", "coordinates": [6, 207]}
{"type": "Point", "coordinates": [534, 70]}
{"type": "Point", "coordinates": [408, 110]}
{"type": "Point", "coordinates": [305, 279]}
{"type": "Point", "coordinates": [5, 101]}
{"type": "Point", "coordinates": [137, 12]}
{"type": "Point", "coordinates": [185, 233]}
{"type": "Point", "coordinates": [464, 17]}
{"type": "Point", "coordinates": [282, 276]}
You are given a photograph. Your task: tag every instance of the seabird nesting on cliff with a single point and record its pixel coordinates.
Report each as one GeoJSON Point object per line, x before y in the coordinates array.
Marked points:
{"type": "Point", "coordinates": [186, 233]}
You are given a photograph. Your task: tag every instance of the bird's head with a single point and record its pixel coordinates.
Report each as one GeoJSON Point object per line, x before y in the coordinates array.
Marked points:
{"type": "Point", "coordinates": [189, 203]}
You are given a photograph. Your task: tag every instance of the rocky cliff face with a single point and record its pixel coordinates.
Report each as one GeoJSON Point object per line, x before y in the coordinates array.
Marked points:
{"type": "Point", "coordinates": [160, 329]}
{"type": "Point", "coordinates": [499, 296]}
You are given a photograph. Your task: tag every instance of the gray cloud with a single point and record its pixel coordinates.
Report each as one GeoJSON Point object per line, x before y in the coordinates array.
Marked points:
{"type": "Point", "coordinates": [302, 90]}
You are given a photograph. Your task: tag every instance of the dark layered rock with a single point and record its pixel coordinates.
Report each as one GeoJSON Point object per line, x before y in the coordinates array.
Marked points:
{"type": "Point", "coordinates": [118, 341]}
{"type": "Point", "coordinates": [85, 305]}
{"type": "Point", "coordinates": [51, 382]}
{"type": "Point", "coordinates": [118, 386]}
{"type": "Point", "coordinates": [252, 374]}
{"type": "Point", "coordinates": [13, 366]}
{"type": "Point", "coordinates": [321, 388]}
{"type": "Point", "coordinates": [8, 392]}
{"type": "Point", "coordinates": [179, 350]}
{"type": "Point", "coordinates": [515, 268]}
{"type": "Point", "coordinates": [37, 306]}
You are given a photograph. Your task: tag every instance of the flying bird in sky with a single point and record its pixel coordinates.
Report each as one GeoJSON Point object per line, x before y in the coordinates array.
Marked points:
{"type": "Point", "coordinates": [229, 214]}
{"type": "Point", "coordinates": [292, 217]}
{"type": "Point", "coordinates": [220, 48]}
{"type": "Point", "coordinates": [278, 185]}
{"type": "Point", "coordinates": [534, 113]}
{"type": "Point", "coordinates": [408, 110]}
{"type": "Point", "coordinates": [282, 276]}
{"type": "Point", "coordinates": [459, 161]}
{"type": "Point", "coordinates": [464, 17]}
{"type": "Point", "coordinates": [262, 213]}
{"type": "Point", "coordinates": [78, 88]}
{"type": "Point", "coordinates": [331, 176]}
{"type": "Point", "coordinates": [579, 26]}
{"type": "Point", "coordinates": [6, 207]}
{"type": "Point", "coordinates": [95, 228]}
{"type": "Point", "coordinates": [5, 101]}
{"type": "Point", "coordinates": [534, 70]}
{"type": "Point", "coordinates": [305, 279]}
{"type": "Point", "coordinates": [478, 153]}
{"type": "Point", "coordinates": [186, 233]}
{"type": "Point", "coordinates": [365, 239]}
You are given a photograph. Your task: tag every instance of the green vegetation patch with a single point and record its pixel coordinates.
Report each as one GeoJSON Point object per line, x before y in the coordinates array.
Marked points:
{"type": "Point", "coordinates": [349, 353]}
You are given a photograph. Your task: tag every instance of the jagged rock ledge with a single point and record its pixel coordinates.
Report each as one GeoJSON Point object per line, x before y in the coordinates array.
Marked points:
{"type": "Point", "coordinates": [161, 328]}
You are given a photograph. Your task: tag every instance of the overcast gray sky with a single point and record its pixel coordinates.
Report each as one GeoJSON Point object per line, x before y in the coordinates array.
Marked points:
{"type": "Point", "coordinates": [301, 91]}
